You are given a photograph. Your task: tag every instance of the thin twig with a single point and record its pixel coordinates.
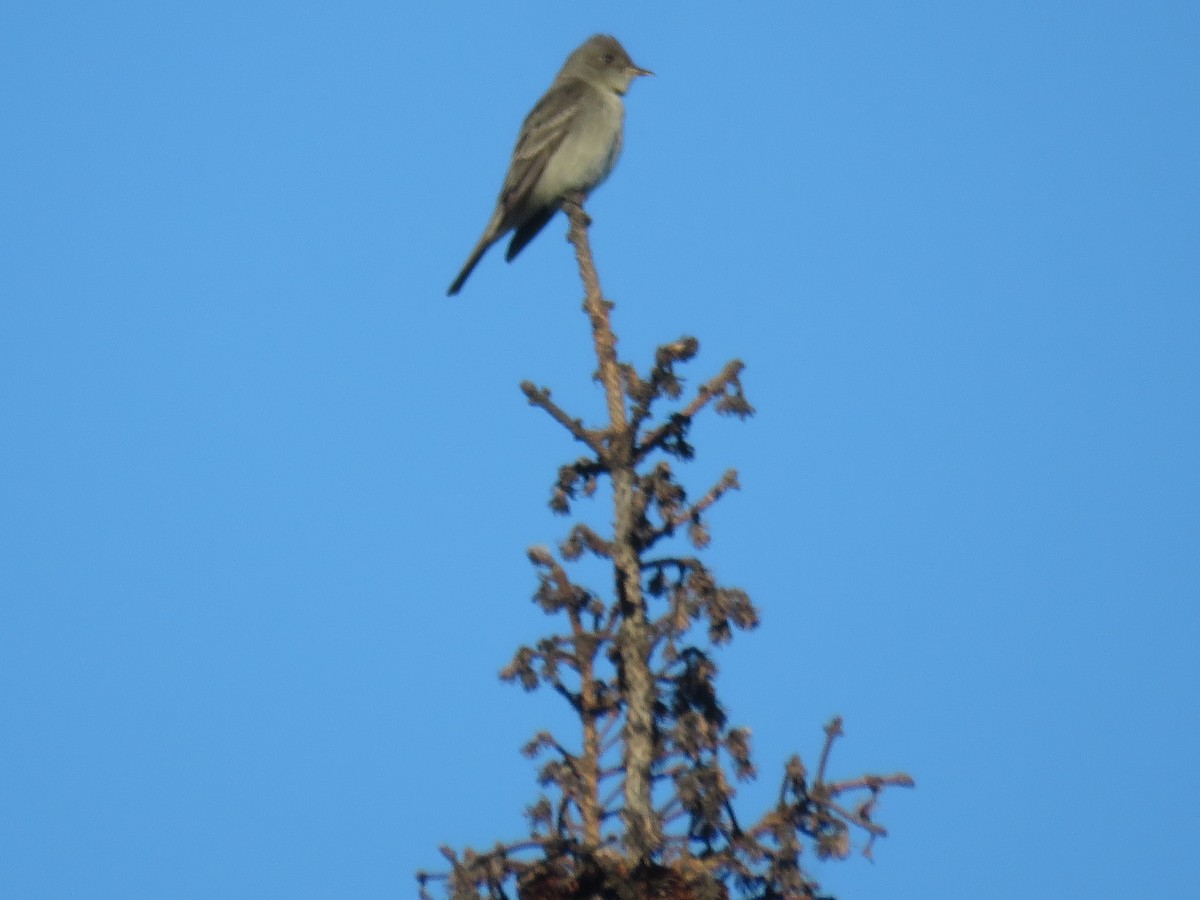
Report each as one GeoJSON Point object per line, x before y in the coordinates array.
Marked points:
{"type": "Point", "coordinates": [709, 391]}
{"type": "Point", "coordinates": [540, 397]}
{"type": "Point", "coordinates": [833, 730]}
{"type": "Point", "coordinates": [728, 482]}
{"type": "Point", "coordinates": [871, 783]}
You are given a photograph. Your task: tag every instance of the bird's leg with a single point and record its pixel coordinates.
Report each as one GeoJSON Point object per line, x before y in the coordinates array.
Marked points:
{"type": "Point", "coordinates": [576, 198]}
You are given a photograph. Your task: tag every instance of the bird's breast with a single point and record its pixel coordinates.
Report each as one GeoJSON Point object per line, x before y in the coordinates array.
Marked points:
{"type": "Point", "coordinates": [588, 152]}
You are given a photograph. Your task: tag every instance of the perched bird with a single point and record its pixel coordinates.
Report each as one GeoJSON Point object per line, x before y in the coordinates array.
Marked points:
{"type": "Point", "coordinates": [568, 144]}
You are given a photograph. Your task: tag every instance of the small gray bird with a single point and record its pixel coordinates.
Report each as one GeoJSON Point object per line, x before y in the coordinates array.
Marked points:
{"type": "Point", "coordinates": [569, 143]}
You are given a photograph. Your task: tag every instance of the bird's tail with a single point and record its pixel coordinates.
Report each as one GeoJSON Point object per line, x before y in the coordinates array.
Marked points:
{"type": "Point", "coordinates": [491, 234]}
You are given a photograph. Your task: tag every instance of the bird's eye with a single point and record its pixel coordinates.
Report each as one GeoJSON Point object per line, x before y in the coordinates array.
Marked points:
{"type": "Point", "coordinates": [608, 59]}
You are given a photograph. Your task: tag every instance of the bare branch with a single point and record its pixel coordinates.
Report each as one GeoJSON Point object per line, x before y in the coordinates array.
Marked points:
{"type": "Point", "coordinates": [714, 388]}
{"type": "Point", "coordinates": [540, 397]}
{"type": "Point", "coordinates": [728, 482]}
{"type": "Point", "coordinates": [833, 731]}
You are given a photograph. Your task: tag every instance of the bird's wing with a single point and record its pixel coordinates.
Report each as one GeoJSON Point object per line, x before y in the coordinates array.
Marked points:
{"type": "Point", "coordinates": [542, 133]}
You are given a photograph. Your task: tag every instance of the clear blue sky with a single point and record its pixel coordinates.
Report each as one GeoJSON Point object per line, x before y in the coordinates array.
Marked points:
{"type": "Point", "coordinates": [265, 492]}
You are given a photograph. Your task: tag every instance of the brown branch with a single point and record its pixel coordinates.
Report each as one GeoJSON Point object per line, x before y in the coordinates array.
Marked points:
{"type": "Point", "coordinates": [582, 538]}
{"type": "Point", "coordinates": [871, 783]}
{"type": "Point", "coordinates": [612, 718]}
{"type": "Point", "coordinates": [597, 309]}
{"type": "Point", "coordinates": [540, 397]}
{"type": "Point", "coordinates": [728, 482]}
{"type": "Point", "coordinates": [500, 852]}
{"type": "Point", "coordinates": [662, 377]}
{"type": "Point", "coordinates": [587, 703]}
{"type": "Point", "coordinates": [643, 835]}
{"type": "Point", "coordinates": [833, 731]}
{"type": "Point", "coordinates": [590, 709]}
{"type": "Point", "coordinates": [708, 392]}
{"type": "Point", "coordinates": [852, 819]}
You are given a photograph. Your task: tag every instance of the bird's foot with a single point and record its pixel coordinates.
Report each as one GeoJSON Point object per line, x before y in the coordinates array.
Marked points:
{"type": "Point", "coordinates": [576, 198]}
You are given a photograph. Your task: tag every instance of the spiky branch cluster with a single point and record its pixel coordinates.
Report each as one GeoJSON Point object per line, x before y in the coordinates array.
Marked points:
{"type": "Point", "coordinates": [642, 804]}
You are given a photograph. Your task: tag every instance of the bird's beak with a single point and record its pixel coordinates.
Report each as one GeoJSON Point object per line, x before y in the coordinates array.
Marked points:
{"type": "Point", "coordinates": [638, 70]}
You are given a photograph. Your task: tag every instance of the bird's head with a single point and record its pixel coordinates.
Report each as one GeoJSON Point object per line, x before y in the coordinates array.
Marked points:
{"type": "Point", "coordinates": [603, 61]}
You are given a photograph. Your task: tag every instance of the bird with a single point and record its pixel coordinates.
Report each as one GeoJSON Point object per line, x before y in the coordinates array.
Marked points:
{"type": "Point", "coordinates": [567, 146]}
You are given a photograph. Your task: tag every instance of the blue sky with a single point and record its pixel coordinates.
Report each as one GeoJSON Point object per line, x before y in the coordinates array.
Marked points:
{"type": "Point", "coordinates": [267, 492]}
